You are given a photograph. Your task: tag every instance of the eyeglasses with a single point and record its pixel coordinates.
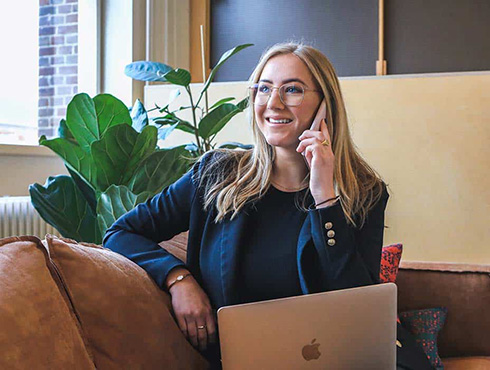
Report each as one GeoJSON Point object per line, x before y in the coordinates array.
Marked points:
{"type": "Point", "coordinates": [291, 94]}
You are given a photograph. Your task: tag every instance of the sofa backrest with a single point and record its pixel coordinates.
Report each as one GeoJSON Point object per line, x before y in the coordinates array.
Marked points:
{"type": "Point", "coordinates": [463, 289]}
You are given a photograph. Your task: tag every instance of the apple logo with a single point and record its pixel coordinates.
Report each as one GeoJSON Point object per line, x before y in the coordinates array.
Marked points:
{"type": "Point", "coordinates": [310, 351]}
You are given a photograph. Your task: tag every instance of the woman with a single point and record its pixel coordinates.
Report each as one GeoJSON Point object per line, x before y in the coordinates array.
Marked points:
{"type": "Point", "coordinates": [299, 213]}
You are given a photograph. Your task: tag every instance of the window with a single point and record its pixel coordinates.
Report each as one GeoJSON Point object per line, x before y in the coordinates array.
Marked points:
{"type": "Point", "coordinates": [40, 75]}
{"type": "Point", "coordinates": [19, 72]}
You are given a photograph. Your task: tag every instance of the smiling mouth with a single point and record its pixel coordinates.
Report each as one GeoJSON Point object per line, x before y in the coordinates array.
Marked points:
{"type": "Point", "coordinates": [278, 121]}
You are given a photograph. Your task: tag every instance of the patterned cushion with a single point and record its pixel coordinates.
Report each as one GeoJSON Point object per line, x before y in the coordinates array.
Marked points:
{"type": "Point", "coordinates": [390, 259]}
{"type": "Point", "coordinates": [425, 325]}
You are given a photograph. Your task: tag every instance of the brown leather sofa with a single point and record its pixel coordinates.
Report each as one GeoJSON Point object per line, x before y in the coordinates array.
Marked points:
{"type": "Point", "coordinates": [80, 306]}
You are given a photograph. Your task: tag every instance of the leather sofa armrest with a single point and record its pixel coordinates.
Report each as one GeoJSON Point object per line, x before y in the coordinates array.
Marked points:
{"type": "Point", "coordinates": [464, 289]}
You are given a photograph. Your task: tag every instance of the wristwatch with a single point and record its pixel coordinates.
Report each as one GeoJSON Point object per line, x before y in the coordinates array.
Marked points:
{"type": "Point", "coordinates": [178, 279]}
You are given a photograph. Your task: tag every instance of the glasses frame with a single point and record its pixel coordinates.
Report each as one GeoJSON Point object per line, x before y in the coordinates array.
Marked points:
{"type": "Point", "coordinates": [254, 87]}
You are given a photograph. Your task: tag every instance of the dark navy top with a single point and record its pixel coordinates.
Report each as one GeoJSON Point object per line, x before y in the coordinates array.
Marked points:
{"type": "Point", "coordinates": [268, 264]}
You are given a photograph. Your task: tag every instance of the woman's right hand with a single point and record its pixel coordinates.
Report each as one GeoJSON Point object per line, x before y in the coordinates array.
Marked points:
{"type": "Point", "coordinates": [192, 309]}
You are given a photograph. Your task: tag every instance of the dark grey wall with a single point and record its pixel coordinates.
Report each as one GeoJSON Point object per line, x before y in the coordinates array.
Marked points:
{"type": "Point", "coordinates": [342, 29]}
{"type": "Point", "coordinates": [421, 35]}
{"type": "Point", "coordinates": [437, 35]}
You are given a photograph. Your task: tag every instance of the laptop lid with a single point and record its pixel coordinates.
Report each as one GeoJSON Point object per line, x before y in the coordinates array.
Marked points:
{"type": "Point", "coordinates": [344, 329]}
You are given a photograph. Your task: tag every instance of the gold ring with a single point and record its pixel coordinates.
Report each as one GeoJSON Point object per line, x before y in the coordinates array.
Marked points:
{"type": "Point", "coordinates": [325, 142]}
{"type": "Point", "coordinates": [201, 327]}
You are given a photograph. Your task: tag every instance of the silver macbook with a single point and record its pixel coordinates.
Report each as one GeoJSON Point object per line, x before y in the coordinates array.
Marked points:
{"type": "Point", "coordinates": [344, 329]}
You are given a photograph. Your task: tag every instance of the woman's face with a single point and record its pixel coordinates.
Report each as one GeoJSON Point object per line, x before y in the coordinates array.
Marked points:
{"type": "Point", "coordinates": [294, 120]}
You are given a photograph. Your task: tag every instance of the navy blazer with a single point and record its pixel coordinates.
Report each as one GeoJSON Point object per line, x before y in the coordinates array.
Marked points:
{"type": "Point", "coordinates": [212, 249]}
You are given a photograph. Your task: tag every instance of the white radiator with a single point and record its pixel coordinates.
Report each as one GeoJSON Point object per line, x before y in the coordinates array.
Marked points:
{"type": "Point", "coordinates": [19, 217]}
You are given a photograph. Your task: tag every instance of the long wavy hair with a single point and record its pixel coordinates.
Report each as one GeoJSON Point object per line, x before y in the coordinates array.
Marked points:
{"type": "Point", "coordinates": [235, 178]}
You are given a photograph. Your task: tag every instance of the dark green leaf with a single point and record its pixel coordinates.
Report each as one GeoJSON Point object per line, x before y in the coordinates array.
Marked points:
{"type": "Point", "coordinates": [118, 154]}
{"type": "Point", "coordinates": [62, 205]}
{"type": "Point", "coordinates": [147, 71]}
{"type": "Point", "coordinates": [110, 112]}
{"type": "Point", "coordinates": [220, 102]}
{"type": "Point", "coordinates": [171, 119]}
{"type": "Point", "coordinates": [88, 119]}
{"type": "Point", "coordinates": [139, 116]}
{"type": "Point", "coordinates": [215, 120]}
{"type": "Point", "coordinates": [243, 104]}
{"type": "Point", "coordinates": [115, 202]}
{"type": "Point", "coordinates": [73, 156]}
{"type": "Point", "coordinates": [160, 169]}
{"type": "Point", "coordinates": [179, 77]}
{"type": "Point", "coordinates": [65, 133]}
{"type": "Point", "coordinates": [81, 119]}
{"type": "Point", "coordinates": [227, 55]}
{"type": "Point", "coordinates": [86, 189]}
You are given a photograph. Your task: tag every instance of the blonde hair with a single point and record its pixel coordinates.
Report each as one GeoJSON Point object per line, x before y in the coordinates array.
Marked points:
{"type": "Point", "coordinates": [237, 177]}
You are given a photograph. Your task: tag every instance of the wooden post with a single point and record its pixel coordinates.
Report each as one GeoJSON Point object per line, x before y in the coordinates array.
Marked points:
{"type": "Point", "coordinates": [200, 15]}
{"type": "Point", "coordinates": [381, 68]}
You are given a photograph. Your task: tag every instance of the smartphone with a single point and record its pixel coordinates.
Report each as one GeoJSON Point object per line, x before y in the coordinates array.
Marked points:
{"type": "Point", "coordinates": [320, 114]}
{"type": "Point", "coordinates": [317, 121]}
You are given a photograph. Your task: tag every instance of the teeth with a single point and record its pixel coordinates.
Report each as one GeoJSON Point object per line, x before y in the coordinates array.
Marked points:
{"type": "Point", "coordinates": [271, 120]}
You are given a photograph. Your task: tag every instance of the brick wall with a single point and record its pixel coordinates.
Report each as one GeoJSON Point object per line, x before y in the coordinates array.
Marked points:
{"type": "Point", "coordinates": [58, 61]}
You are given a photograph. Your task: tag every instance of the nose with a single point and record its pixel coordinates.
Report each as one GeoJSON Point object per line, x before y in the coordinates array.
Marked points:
{"type": "Point", "coordinates": [275, 100]}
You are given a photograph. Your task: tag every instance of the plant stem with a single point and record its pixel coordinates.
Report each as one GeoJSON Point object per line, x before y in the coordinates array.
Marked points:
{"type": "Point", "coordinates": [196, 130]}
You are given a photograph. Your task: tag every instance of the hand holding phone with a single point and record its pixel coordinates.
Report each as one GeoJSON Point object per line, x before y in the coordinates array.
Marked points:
{"type": "Point", "coordinates": [317, 121]}
{"type": "Point", "coordinates": [320, 115]}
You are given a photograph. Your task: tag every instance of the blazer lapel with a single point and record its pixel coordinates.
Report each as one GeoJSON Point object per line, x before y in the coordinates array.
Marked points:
{"type": "Point", "coordinates": [309, 239]}
{"type": "Point", "coordinates": [232, 234]}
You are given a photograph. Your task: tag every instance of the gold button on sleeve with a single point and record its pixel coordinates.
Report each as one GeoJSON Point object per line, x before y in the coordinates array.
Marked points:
{"type": "Point", "coordinates": [330, 233]}
{"type": "Point", "coordinates": [331, 242]}
{"type": "Point", "coordinates": [328, 225]}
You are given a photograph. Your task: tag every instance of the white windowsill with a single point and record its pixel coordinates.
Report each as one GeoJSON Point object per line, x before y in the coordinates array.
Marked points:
{"type": "Point", "coordinates": [26, 150]}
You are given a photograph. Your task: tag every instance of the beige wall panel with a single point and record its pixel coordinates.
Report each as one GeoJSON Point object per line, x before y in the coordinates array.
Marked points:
{"type": "Point", "coordinates": [22, 166]}
{"type": "Point", "coordinates": [428, 137]}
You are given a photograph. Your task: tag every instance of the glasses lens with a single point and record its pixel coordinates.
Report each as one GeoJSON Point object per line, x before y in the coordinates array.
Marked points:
{"type": "Point", "coordinates": [292, 94]}
{"type": "Point", "coordinates": [262, 93]}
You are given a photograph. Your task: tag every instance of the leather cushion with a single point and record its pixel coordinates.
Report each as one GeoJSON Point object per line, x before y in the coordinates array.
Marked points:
{"type": "Point", "coordinates": [38, 327]}
{"type": "Point", "coordinates": [466, 363]}
{"type": "Point", "coordinates": [126, 317]}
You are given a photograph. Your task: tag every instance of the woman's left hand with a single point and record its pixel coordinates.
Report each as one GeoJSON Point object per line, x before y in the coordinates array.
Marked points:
{"type": "Point", "coordinates": [321, 161]}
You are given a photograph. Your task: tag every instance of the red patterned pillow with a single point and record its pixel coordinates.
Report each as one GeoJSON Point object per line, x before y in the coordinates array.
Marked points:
{"type": "Point", "coordinates": [390, 259]}
{"type": "Point", "coordinates": [425, 325]}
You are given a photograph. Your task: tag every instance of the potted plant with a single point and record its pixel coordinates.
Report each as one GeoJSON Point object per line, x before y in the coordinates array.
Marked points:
{"type": "Point", "coordinates": [112, 156]}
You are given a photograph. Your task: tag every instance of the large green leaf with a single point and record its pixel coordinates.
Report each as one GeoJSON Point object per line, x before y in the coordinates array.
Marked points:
{"type": "Point", "coordinates": [179, 77]}
{"type": "Point", "coordinates": [227, 55]}
{"type": "Point", "coordinates": [114, 202]}
{"type": "Point", "coordinates": [172, 119]}
{"type": "Point", "coordinates": [160, 169]}
{"type": "Point", "coordinates": [62, 205]}
{"type": "Point", "coordinates": [88, 119]}
{"type": "Point", "coordinates": [65, 133]}
{"type": "Point", "coordinates": [139, 116]}
{"type": "Point", "coordinates": [215, 120]}
{"type": "Point", "coordinates": [119, 152]}
{"type": "Point", "coordinates": [87, 190]}
{"type": "Point", "coordinates": [147, 71]}
{"type": "Point", "coordinates": [220, 102]}
{"type": "Point", "coordinates": [110, 112]}
{"type": "Point", "coordinates": [81, 120]}
{"type": "Point", "coordinates": [73, 156]}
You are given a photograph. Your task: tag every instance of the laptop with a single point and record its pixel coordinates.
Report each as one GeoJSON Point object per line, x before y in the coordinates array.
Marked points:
{"type": "Point", "coordinates": [344, 329]}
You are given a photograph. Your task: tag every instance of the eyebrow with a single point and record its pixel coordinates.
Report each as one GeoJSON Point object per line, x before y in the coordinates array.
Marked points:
{"type": "Point", "coordinates": [286, 81]}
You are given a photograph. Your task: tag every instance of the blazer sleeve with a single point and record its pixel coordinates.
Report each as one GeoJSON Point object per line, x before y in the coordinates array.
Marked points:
{"type": "Point", "coordinates": [349, 256]}
{"type": "Point", "coordinates": [137, 233]}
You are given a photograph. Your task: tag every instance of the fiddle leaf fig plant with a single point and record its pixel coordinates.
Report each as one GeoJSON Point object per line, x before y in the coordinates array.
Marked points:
{"type": "Point", "coordinates": [114, 164]}
{"type": "Point", "coordinates": [112, 156]}
{"type": "Point", "coordinates": [206, 122]}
